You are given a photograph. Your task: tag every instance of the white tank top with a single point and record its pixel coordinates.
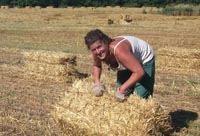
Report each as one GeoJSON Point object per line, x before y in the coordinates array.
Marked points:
{"type": "Point", "coordinates": [142, 51]}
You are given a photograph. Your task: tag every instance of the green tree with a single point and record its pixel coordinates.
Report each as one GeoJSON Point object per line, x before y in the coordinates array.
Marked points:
{"type": "Point", "coordinates": [5, 2]}
{"type": "Point", "coordinates": [95, 3]}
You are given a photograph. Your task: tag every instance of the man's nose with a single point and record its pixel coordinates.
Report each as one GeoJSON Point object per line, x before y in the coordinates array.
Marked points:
{"type": "Point", "coordinates": [97, 51]}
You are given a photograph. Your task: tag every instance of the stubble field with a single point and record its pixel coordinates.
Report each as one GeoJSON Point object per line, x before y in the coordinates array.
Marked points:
{"type": "Point", "coordinates": [27, 100]}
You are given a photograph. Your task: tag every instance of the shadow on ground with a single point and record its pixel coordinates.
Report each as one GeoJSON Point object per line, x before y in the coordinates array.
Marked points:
{"type": "Point", "coordinates": [181, 118]}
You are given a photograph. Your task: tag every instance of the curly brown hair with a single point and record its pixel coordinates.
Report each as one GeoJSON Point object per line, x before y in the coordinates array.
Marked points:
{"type": "Point", "coordinates": [95, 35]}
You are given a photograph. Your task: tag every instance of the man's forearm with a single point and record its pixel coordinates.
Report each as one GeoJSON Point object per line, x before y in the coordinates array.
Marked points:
{"type": "Point", "coordinates": [97, 74]}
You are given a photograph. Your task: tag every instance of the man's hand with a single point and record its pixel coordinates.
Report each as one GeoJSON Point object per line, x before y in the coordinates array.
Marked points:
{"type": "Point", "coordinates": [119, 96]}
{"type": "Point", "coordinates": [98, 89]}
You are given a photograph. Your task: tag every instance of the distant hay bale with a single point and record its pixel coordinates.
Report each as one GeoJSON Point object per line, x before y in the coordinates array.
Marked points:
{"type": "Point", "coordinates": [49, 7]}
{"type": "Point", "coordinates": [82, 7]}
{"type": "Point", "coordinates": [123, 19]}
{"type": "Point", "coordinates": [110, 21]}
{"type": "Point", "coordinates": [178, 60]}
{"type": "Point", "coordinates": [5, 7]}
{"type": "Point", "coordinates": [69, 7]}
{"type": "Point", "coordinates": [38, 7]}
{"type": "Point", "coordinates": [126, 18]}
{"type": "Point", "coordinates": [123, 22]}
{"type": "Point", "coordinates": [117, 7]}
{"type": "Point", "coordinates": [81, 113]}
{"type": "Point", "coordinates": [57, 66]}
{"type": "Point", "coordinates": [28, 7]}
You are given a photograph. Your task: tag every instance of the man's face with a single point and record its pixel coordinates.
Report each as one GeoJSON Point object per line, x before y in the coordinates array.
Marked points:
{"type": "Point", "coordinates": [99, 49]}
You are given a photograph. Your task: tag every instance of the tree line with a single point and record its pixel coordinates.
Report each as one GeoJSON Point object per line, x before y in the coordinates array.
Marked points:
{"type": "Point", "coordinates": [96, 3]}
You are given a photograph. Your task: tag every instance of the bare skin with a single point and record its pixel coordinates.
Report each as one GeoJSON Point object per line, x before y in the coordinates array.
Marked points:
{"type": "Point", "coordinates": [123, 54]}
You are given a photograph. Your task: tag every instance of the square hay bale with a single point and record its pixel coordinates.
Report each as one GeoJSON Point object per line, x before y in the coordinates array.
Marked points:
{"type": "Point", "coordinates": [50, 65]}
{"type": "Point", "coordinates": [41, 65]}
{"type": "Point", "coordinates": [51, 57]}
{"type": "Point", "coordinates": [81, 113]}
{"type": "Point", "coordinates": [178, 60]}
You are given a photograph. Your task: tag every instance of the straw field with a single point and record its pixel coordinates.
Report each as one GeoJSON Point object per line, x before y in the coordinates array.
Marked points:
{"type": "Point", "coordinates": [46, 82]}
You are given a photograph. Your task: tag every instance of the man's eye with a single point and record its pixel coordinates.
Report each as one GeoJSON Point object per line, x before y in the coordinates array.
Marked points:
{"type": "Point", "coordinates": [93, 50]}
{"type": "Point", "coordinates": [99, 46]}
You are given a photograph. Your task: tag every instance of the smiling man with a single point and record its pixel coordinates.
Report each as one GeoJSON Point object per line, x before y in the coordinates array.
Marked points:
{"type": "Point", "coordinates": [133, 58]}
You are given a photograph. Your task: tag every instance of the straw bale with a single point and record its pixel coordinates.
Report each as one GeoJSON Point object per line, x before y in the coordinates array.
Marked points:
{"type": "Point", "coordinates": [44, 68]}
{"type": "Point", "coordinates": [50, 7]}
{"type": "Point", "coordinates": [38, 7]}
{"type": "Point", "coordinates": [180, 52]}
{"type": "Point", "coordinates": [178, 60]}
{"type": "Point", "coordinates": [126, 18]}
{"type": "Point", "coordinates": [40, 64]}
{"type": "Point", "coordinates": [28, 7]}
{"type": "Point", "coordinates": [57, 66]}
{"type": "Point", "coordinates": [5, 7]}
{"type": "Point", "coordinates": [123, 22]}
{"type": "Point", "coordinates": [51, 57]}
{"type": "Point", "coordinates": [81, 113]}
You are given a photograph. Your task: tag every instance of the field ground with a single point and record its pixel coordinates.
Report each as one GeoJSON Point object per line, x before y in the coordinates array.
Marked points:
{"type": "Point", "coordinates": [26, 104]}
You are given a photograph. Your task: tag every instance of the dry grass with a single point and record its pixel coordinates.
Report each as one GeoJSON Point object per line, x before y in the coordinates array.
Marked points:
{"type": "Point", "coordinates": [27, 103]}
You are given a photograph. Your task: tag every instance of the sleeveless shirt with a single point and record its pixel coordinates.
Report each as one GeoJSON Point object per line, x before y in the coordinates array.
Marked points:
{"type": "Point", "coordinates": [141, 50]}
